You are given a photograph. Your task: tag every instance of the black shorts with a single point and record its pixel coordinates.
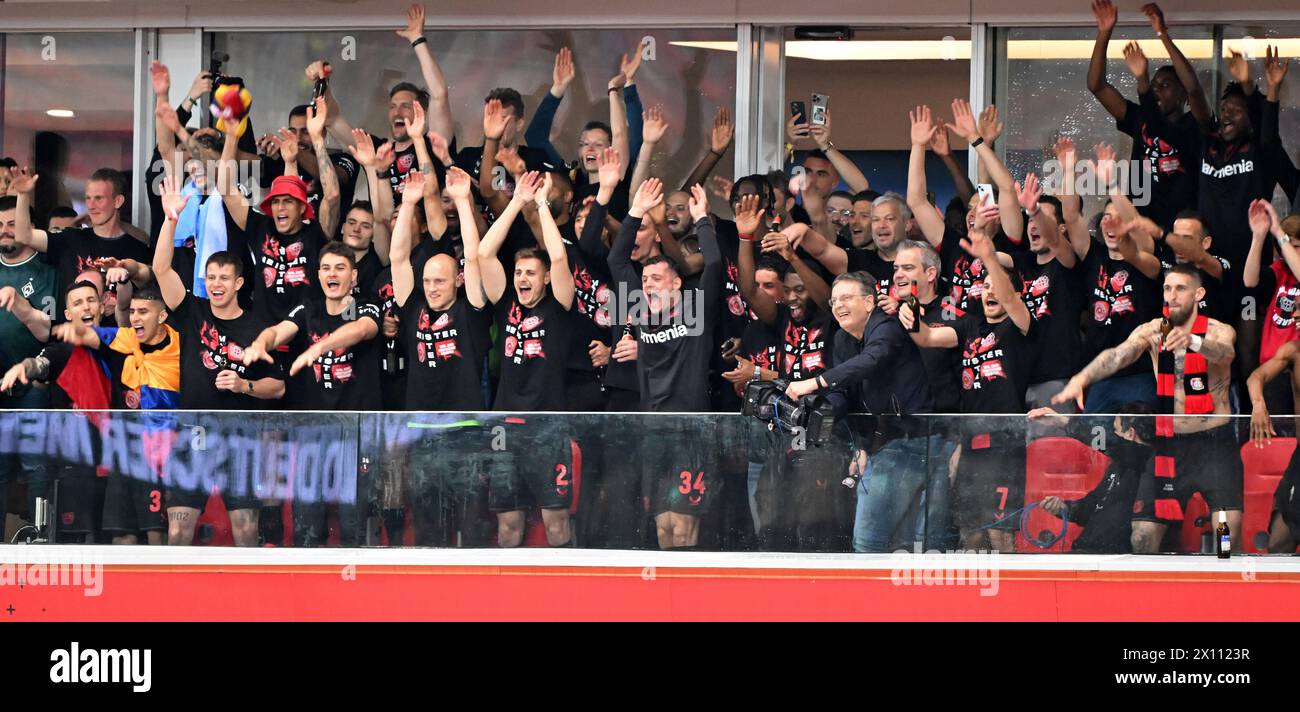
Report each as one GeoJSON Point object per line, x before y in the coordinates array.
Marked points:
{"type": "Point", "coordinates": [76, 497]}
{"type": "Point", "coordinates": [198, 499]}
{"type": "Point", "coordinates": [583, 392]}
{"type": "Point", "coordinates": [1286, 498]}
{"type": "Point", "coordinates": [132, 505]}
{"type": "Point", "coordinates": [534, 469]}
{"type": "Point", "coordinates": [678, 469]}
{"type": "Point", "coordinates": [1208, 462]}
{"type": "Point", "coordinates": [989, 487]}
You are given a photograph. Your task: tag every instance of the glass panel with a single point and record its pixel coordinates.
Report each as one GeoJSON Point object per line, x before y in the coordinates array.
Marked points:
{"type": "Point", "coordinates": [717, 482]}
{"type": "Point", "coordinates": [690, 82]}
{"type": "Point", "coordinates": [73, 91]}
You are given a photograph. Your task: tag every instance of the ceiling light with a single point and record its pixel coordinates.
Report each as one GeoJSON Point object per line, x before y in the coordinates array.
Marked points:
{"type": "Point", "coordinates": [60, 113]}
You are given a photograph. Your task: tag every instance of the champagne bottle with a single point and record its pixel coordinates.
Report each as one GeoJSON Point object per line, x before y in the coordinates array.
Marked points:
{"type": "Point", "coordinates": [1223, 536]}
{"type": "Point", "coordinates": [915, 305]}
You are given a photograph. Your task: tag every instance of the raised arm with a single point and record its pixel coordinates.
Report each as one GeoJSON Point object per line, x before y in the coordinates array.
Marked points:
{"type": "Point", "coordinates": [926, 336]}
{"type": "Point", "coordinates": [748, 216]}
{"type": "Point", "coordinates": [23, 184]}
{"type": "Point", "coordinates": [538, 133]}
{"type": "Point", "coordinates": [783, 243]}
{"type": "Point", "coordinates": [654, 126]}
{"type": "Point", "coordinates": [1110, 362]}
{"type": "Point", "coordinates": [339, 127]}
{"type": "Point", "coordinates": [227, 183]}
{"type": "Point", "coordinates": [328, 215]}
{"type": "Point", "coordinates": [440, 119]}
{"type": "Point", "coordinates": [1075, 226]}
{"type": "Point", "coordinates": [494, 274]}
{"type": "Point", "coordinates": [381, 191]}
{"type": "Point", "coordinates": [927, 216]}
{"type": "Point", "coordinates": [847, 169]}
{"type": "Point", "coordinates": [1196, 101]}
{"type": "Point", "coordinates": [36, 321]}
{"type": "Point", "coordinates": [964, 125]}
{"type": "Point", "coordinates": [562, 285]}
{"type": "Point", "coordinates": [404, 277]}
{"type": "Point", "coordinates": [458, 183]}
{"type": "Point", "coordinates": [1107, 94]}
{"type": "Point", "coordinates": [720, 137]}
{"type": "Point", "coordinates": [433, 213]}
{"type": "Point", "coordinates": [831, 256]}
{"type": "Point", "coordinates": [1029, 195]}
{"type": "Point", "coordinates": [980, 244]}
{"type": "Point", "coordinates": [618, 107]}
{"type": "Point", "coordinates": [494, 127]}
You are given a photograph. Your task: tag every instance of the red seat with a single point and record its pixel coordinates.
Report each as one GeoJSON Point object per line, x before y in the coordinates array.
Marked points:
{"type": "Point", "coordinates": [1189, 536]}
{"type": "Point", "coordinates": [218, 519]}
{"type": "Point", "coordinates": [1061, 467]}
{"type": "Point", "coordinates": [1264, 468]}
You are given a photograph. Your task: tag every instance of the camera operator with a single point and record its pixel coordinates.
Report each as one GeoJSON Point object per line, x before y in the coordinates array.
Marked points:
{"type": "Point", "coordinates": [878, 370]}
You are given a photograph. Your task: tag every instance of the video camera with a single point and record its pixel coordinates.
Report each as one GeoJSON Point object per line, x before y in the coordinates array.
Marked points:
{"type": "Point", "coordinates": [766, 401]}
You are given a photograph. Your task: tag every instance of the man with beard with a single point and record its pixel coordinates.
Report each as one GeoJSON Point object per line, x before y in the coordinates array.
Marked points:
{"type": "Point", "coordinates": [75, 250]}
{"type": "Point", "coordinates": [337, 369]}
{"type": "Point", "coordinates": [996, 357]}
{"type": "Point", "coordinates": [285, 245]}
{"type": "Point", "coordinates": [214, 333]}
{"type": "Point", "coordinates": [535, 318]}
{"type": "Point", "coordinates": [1196, 451]}
{"type": "Point", "coordinates": [673, 327]}
{"type": "Point", "coordinates": [796, 497]}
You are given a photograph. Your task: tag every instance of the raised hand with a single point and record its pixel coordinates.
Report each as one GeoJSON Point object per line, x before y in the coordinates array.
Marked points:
{"type": "Point", "coordinates": [1029, 193]}
{"type": "Point", "coordinates": [1238, 67]}
{"type": "Point", "coordinates": [963, 121]}
{"type": "Point", "coordinates": [1135, 59]}
{"type": "Point", "coordinates": [1275, 67]}
{"type": "Point", "coordinates": [363, 148]}
{"type": "Point", "coordinates": [1106, 14]}
{"type": "Point", "coordinates": [544, 191]}
{"type": "Point", "coordinates": [939, 142]}
{"type": "Point", "coordinates": [384, 156]}
{"type": "Point", "coordinates": [654, 125]}
{"type": "Point", "coordinates": [628, 65]}
{"type": "Point", "coordinates": [414, 29]}
{"type": "Point", "coordinates": [21, 180]}
{"type": "Point", "coordinates": [1105, 163]}
{"type": "Point", "coordinates": [723, 131]}
{"type": "Point", "coordinates": [923, 128]}
{"type": "Point", "coordinates": [167, 114]}
{"type": "Point", "coordinates": [1258, 217]}
{"type": "Point", "coordinates": [990, 126]}
{"type": "Point", "coordinates": [698, 203]}
{"type": "Point", "coordinates": [778, 242]}
{"type": "Point", "coordinates": [563, 73]}
{"type": "Point", "coordinates": [287, 143]}
{"type": "Point", "coordinates": [172, 200]}
{"type": "Point", "coordinates": [648, 196]}
{"type": "Point", "coordinates": [527, 185]}
{"type": "Point", "coordinates": [748, 215]}
{"type": "Point", "coordinates": [458, 182]}
{"type": "Point", "coordinates": [440, 148]}
{"type": "Point", "coordinates": [609, 168]}
{"type": "Point", "coordinates": [822, 134]}
{"type": "Point", "coordinates": [317, 115]}
{"type": "Point", "coordinates": [510, 160]}
{"type": "Point", "coordinates": [1156, 17]}
{"type": "Point", "coordinates": [494, 120]}
{"type": "Point", "coordinates": [161, 79]}
{"type": "Point", "coordinates": [1065, 153]}
{"type": "Point", "coordinates": [202, 84]}
{"type": "Point", "coordinates": [794, 131]}
{"type": "Point", "coordinates": [413, 188]}
{"type": "Point", "coordinates": [985, 216]}
{"type": "Point", "coordinates": [978, 243]}
{"type": "Point", "coordinates": [316, 69]}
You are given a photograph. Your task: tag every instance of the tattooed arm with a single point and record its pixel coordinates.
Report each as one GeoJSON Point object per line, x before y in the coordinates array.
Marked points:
{"type": "Point", "coordinates": [1218, 343]}
{"type": "Point", "coordinates": [1110, 361]}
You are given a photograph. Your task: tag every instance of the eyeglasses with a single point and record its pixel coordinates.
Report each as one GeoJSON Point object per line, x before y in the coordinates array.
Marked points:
{"type": "Point", "coordinates": [846, 297]}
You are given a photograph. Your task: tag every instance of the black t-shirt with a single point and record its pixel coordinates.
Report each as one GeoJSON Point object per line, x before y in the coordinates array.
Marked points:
{"type": "Point", "coordinates": [345, 379]}
{"type": "Point", "coordinates": [58, 353]}
{"type": "Point", "coordinates": [1217, 303]}
{"type": "Point", "coordinates": [942, 366]}
{"type": "Point", "coordinates": [471, 159]}
{"type": "Point", "coordinates": [736, 315]}
{"type": "Point", "coordinates": [995, 365]}
{"type": "Point", "coordinates": [591, 302]}
{"type": "Point", "coordinates": [210, 345]}
{"type": "Point", "coordinates": [75, 250]}
{"type": "Point", "coordinates": [1122, 299]}
{"type": "Point", "coordinates": [869, 261]}
{"type": "Point", "coordinates": [804, 347]}
{"type": "Point", "coordinates": [1054, 295]}
{"type": "Point", "coordinates": [346, 169]}
{"type": "Point", "coordinates": [405, 161]}
{"type": "Point", "coordinates": [285, 265]}
{"type": "Point", "coordinates": [761, 344]}
{"type": "Point", "coordinates": [535, 345]}
{"type": "Point", "coordinates": [368, 269]}
{"type": "Point", "coordinates": [446, 352]}
{"type": "Point", "coordinates": [1172, 151]}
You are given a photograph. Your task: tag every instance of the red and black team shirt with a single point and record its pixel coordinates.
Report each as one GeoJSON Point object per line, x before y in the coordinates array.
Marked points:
{"type": "Point", "coordinates": [285, 266]}
{"type": "Point", "coordinates": [210, 345]}
{"type": "Point", "coordinates": [344, 379]}
{"type": "Point", "coordinates": [534, 350]}
{"type": "Point", "coordinates": [446, 352]}
{"type": "Point", "coordinates": [995, 361]}
{"type": "Point", "coordinates": [1122, 299]}
{"type": "Point", "coordinates": [1054, 295]}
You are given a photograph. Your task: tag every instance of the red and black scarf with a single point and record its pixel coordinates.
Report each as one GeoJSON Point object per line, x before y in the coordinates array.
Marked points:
{"type": "Point", "coordinates": [1196, 401]}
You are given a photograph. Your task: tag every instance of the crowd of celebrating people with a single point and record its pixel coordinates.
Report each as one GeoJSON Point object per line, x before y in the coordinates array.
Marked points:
{"type": "Point", "coordinates": [508, 278]}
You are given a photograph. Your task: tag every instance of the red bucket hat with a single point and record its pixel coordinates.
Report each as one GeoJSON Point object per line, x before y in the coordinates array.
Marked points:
{"type": "Point", "coordinates": [293, 187]}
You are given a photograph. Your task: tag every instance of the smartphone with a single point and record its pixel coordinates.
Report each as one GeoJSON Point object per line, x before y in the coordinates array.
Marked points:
{"type": "Point", "coordinates": [819, 102]}
{"type": "Point", "coordinates": [985, 192]}
{"type": "Point", "coordinates": [799, 111]}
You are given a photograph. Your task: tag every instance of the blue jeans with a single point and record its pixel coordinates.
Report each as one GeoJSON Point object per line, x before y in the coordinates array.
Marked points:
{"type": "Point", "coordinates": [933, 518]}
{"type": "Point", "coordinates": [1106, 396]}
{"type": "Point", "coordinates": [896, 476]}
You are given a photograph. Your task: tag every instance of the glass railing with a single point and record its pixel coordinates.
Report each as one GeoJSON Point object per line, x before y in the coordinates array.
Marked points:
{"type": "Point", "coordinates": [636, 481]}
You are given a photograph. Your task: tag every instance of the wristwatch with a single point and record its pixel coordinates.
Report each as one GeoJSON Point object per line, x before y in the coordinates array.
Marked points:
{"type": "Point", "coordinates": [248, 387]}
{"type": "Point", "coordinates": [1196, 343]}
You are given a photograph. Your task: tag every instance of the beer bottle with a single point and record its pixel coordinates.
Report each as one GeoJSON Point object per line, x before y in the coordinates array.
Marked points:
{"type": "Point", "coordinates": [915, 305]}
{"type": "Point", "coordinates": [1223, 536]}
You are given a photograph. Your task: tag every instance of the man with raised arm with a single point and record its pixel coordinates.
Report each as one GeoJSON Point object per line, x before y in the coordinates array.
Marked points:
{"type": "Point", "coordinates": [1165, 134]}
{"type": "Point", "coordinates": [286, 237]}
{"type": "Point", "coordinates": [1196, 449]}
{"type": "Point", "coordinates": [534, 316]}
{"type": "Point", "coordinates": [301, 159]}
{"type": "Point", "coordinates": [214, 334]}
{"type": "Point", "coordinates": [336, 369]}
{"type": "Point", "coordinates": [74, 250]}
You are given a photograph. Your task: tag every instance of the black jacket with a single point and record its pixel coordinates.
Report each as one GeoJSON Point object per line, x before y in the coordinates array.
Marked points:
{"type": "Point", "coordinates": [880, 374]}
